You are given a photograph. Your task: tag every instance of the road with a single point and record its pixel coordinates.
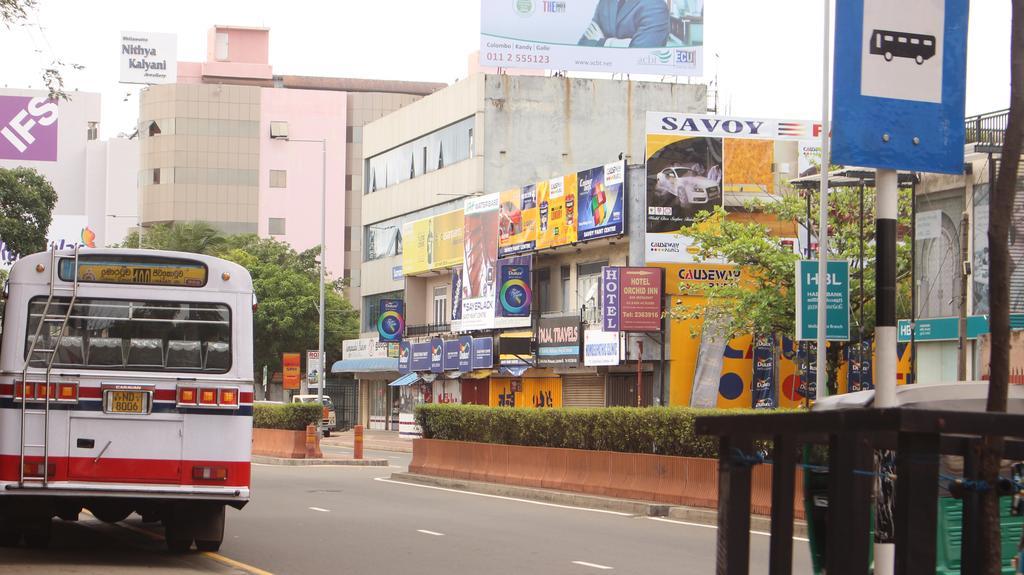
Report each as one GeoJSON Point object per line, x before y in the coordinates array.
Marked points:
{"type": "Point", "coordinates": [354, 520]}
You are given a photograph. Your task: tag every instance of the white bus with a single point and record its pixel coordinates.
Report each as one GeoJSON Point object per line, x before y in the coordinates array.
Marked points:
{"type": "Point", "coordinates": [126, 385]}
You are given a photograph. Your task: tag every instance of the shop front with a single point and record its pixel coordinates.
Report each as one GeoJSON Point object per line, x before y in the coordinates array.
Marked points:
{"type": "Point", "coordinates": [373, 365]}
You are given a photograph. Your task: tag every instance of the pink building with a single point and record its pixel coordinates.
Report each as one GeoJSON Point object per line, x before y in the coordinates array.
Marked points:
{"type": "Point", "coordinates": [237, 146]}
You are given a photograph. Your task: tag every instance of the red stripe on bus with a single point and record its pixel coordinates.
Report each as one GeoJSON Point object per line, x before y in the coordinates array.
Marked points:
{"type": "Point", "coordinates": [84, 392]}
{"type": "Point", "coordinates": [131, 471]}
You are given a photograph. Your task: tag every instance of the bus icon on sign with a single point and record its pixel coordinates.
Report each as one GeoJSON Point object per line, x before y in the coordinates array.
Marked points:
{"type": "Point", "coordinates": [889, 45]}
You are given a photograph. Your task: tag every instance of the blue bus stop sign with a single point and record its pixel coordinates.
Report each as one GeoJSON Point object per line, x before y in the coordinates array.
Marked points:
{"type": "Point", "coordinates": [899, 87]}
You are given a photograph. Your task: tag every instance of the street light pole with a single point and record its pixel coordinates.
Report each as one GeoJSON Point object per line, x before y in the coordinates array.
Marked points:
{"type": "Point", "coordinates": [323, 263]}
{"type": "Point", "coordinates": [321, 360]}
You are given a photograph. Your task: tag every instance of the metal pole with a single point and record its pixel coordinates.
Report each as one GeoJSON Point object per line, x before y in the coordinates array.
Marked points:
{"type": "Point", "coordinates": [821, 384]}
{"type": "Point", "coordinates": [961, 365]}
{"type": "Point", "coordinates": [323, 264]}
{"type": "Point", "coordinates": [886, 212]}
{"type": "Point", "coordinates": [913, 285]}
{"type": "Point", "coordinates": [860, 346]}
{"type": "Point", "coordinates": [885, 289]}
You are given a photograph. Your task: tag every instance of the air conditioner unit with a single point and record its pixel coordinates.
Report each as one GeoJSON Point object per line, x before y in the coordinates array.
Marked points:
{"type": "Point", "coordinates": [279, 130]}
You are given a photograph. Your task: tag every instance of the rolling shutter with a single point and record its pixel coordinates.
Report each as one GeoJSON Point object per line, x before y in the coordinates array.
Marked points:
{"type": "Point", "coordinates": [583, 391]}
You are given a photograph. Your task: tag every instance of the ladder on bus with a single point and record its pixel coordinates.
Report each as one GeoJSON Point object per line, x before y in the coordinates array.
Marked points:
{"type": "Point", "coordinates": [43, 349]}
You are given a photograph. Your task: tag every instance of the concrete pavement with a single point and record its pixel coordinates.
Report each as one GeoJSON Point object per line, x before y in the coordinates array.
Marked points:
{"type": "Point", "coordinates": [372, 440]}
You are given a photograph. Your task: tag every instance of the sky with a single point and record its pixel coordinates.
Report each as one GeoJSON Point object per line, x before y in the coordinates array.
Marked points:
{"type": "Point", "coordinates": [766, 56]}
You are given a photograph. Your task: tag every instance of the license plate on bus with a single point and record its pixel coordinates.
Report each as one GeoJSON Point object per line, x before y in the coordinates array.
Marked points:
{"type": "Point", "coordinates": [122, 401]}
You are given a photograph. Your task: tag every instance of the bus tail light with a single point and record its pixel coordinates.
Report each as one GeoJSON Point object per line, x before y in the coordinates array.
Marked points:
{"type": "Point", "coordinates": [67, 391]}
{"type": "Point", "coordinates": [187, 396]}
{"type": "Point", "coordinates": [35, 469]}
{"type": "Point", "coordinates": [209, 473]}
{"type": "Point", "coordinates": [208, 396]}
{"type": "Point", "coordinates": [229, 397]}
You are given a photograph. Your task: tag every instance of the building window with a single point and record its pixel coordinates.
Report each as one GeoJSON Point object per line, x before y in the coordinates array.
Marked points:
{"type": "Point", "coordinates": [470, 151]}
{"type": "Point", "coordinates": [565, 273]}
{"type": "Point", "coordinates": [371, 308]}
{"type": "Point", "coordinates": [279, 130]}
{"type": "Point", "coordinates": [275, 226]}
{"type": "Point", "coordinates": [278, 178]}
{"type": "Point", "coordinates": [348, 182]}
{"type": "Point", "coordinates": [348, 238]}
{"type": "Point", "coordinates": [425, 154]}
{"type": "Point", "coordinates": [544, 289]}
{"type": "Point", "coordinates": [93, 132]}
{"type": "Point", "coordinates": [588, 284]}
{"type": "Point", "coordinates": [440, 305]}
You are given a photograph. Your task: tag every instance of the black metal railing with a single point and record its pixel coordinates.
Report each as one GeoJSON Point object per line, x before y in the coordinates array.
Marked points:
{"type": "Point", "coordinates": [427, 329]}
{"type": "Point", "coordinates": [986, 128]}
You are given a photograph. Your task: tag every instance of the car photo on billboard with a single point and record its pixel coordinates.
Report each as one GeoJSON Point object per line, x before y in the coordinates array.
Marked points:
{"type": "Point", "coordinates": [683, 178]}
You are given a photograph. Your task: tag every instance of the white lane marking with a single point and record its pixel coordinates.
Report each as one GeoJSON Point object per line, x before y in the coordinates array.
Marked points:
{"type": "Point", "coordinates": [677, 522]}
{"type": "Point", "coordinates": [594, 565]}
{"type": "Point", "coordinates": [320, 509]}
{"type": "Point", "coordinates": [434, 533]}
{"type": "Point", "coordinates": [542, 503]}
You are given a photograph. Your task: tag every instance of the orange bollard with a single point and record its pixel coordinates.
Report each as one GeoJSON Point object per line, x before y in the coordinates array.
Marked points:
{"type": "Point", "coordinates": [357, 448]}
{"type": "Point", "coordinates": [311, 441]}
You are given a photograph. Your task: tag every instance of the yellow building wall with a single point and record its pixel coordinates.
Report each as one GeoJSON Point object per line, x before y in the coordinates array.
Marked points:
{"type": "Point", "coordinates": [536, 392]}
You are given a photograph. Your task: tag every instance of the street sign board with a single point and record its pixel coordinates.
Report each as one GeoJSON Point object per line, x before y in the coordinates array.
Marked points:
{"type": "Point", "coordinates": [837, 299]}
{"type": "Point", "coordinates": [899, 86]}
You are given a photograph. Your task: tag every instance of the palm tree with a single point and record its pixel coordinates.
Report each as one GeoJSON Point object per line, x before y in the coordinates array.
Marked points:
{"type": "Point", "coordinates": [193, 237]}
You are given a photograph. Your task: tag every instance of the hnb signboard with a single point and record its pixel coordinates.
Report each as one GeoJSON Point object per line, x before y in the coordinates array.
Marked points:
{"type": "Point", "coordinates": [899, 86]}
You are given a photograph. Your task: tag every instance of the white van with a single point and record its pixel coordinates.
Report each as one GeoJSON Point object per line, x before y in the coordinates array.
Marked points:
{"type": "Point", "coordinates": [330, 415]}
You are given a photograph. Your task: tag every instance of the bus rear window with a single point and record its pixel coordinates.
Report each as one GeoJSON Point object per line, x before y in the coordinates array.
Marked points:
{"type": "Point", "coordinates": [135, 270]}
{"type": "Point", "coordinates": [133, 335]}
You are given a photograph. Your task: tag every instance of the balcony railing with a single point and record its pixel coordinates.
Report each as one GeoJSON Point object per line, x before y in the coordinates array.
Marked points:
{"type": "Point", "coordinates": [986, 128]}
{"type": "Point", "coordinates": [427, 329]}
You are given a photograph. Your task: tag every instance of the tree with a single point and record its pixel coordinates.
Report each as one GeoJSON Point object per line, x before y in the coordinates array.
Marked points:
{"type": "Point", "coordinates": [287, 286]}
{"type": "Point", "coordinates": [1000, 214]}
{"type": "Point", "coordinates": [26, 209]}
{"type": "Point", "coordinates": [765, 302]}
{"type": "Point", "coordinates": [193, 237]}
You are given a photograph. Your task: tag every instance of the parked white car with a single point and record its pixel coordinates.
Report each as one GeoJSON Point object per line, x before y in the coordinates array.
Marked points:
{"type": "Point", "coordinates": [688, 183]}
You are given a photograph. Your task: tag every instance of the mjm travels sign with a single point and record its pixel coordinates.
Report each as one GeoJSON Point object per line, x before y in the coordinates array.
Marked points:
{"type": "Point", "coordinates": [149, 58]}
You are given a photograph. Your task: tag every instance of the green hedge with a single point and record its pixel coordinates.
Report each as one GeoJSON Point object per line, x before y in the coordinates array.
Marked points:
{"type": "Point", "coordinates": [664, 431]}
{"type": "Point", "coordinates": [289, 416]}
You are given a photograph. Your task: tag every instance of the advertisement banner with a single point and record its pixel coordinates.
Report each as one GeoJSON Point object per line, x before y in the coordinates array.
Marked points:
{"type": "Point", "coordinates": [29, 128]}
{"type": "Point", "coordinates": [420, 356]}
{"type": "Point", "coordinates": [610, 298]}
{"type": "Point", "coordinates": [483, 353]}
{"type": "Point", "coordinates": [695, 279]}
{"type": "Point", "coordinates": [696, 162]}
{"type": "Point", "coordinates": [515, 296]}
{"type": "Point", "coordinates": [149, 58]}
{"type": "Point", "coordinates": [313, 368]}
{"type": "Point", "coordinates": [446, 240]}
{"type": "Point", "coordinates": [765, 392]}
{"type": "Point", "coordinates": [465, 353]}
{"type": "Point", "coordinates": [456, 296]}
{"type": "Point", "coordinates": [436, 355]}
{"type": "Point", "coordinates": [404, 357]}
{"type": "Point", "coordinates": [517, 221]}
{"type": "Point", "coordinates": [600, 348]}
{"type": "Point", "coordinates": [556, 212]}
{"type": "Point", "coordinates": [600, 193]}
{"type": "Point", "coordinates": [391, 323]}
{"type": "Point", "coordinates": [451, 355]}
{"type": "Point", "coordinates": [291, 368]}
{"type": "Point", "coordinates": [837, 300]}
{"type": "Point", "coordinates": [365, 348]}
{"type": "Point", "coordinates": [858, 364]}
{"type": "Point", "coordinates": [558, 341]}
{"type": "Point", "coordinates": [480, 262]}
{"type": "Point", "coordinates": [637, 37]}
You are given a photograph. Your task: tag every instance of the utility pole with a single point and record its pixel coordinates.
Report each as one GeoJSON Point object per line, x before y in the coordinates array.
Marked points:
{"type": "Point", "coordinates": [965, 274]}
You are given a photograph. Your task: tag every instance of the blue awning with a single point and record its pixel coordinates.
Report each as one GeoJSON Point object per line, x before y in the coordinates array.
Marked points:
{"type": "Point", "coordinates": [407, 379]}
{"type": "Point", "coordinates": [365, 365]}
